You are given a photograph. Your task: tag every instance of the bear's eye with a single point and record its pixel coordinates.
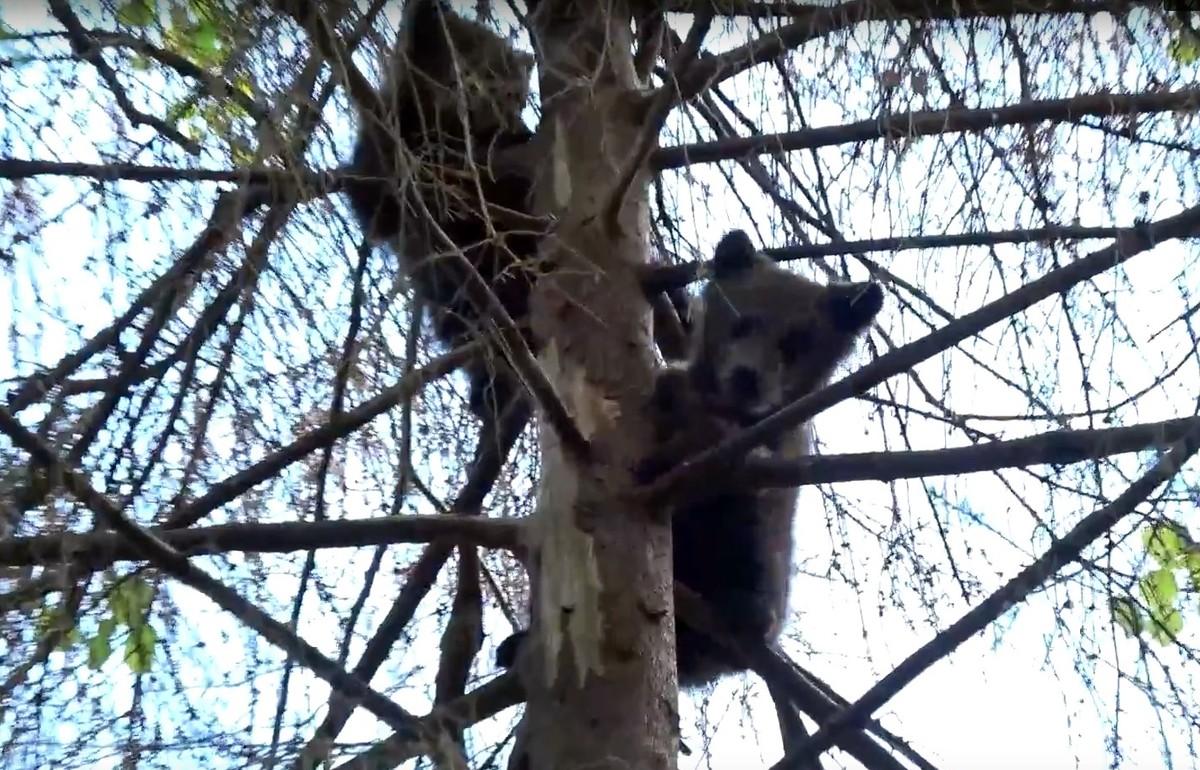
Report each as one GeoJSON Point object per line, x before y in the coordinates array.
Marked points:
{"type": "Point", "coordinates": [794, 344]}
{"type": "Point", "coordinates": [744, 326]}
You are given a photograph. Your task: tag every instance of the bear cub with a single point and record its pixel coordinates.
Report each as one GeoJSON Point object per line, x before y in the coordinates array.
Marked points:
{"type": "Point", "coordinates": [762, 336]}
{"type": "Point", "coordinates": [420, 155]}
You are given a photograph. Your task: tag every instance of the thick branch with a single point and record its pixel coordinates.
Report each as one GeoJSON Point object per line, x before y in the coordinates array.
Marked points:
{"type": "Point", "coordinates": [280, 182]}
{"type": "Point", "coordinates": [101, 549]}
{"type": "Point", "coordinates": [1060, 554]}
{"type": "Point", "coordinates": [1131, 242]}
{"type": "Point", "coordinates": [928, 123]}
{"type": "Point", "coordinates": [1054, 448]}
{"type": "Point", "coordinates": [174, 563]}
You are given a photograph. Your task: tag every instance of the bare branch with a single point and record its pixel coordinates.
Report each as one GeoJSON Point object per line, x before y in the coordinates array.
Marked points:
{"type": "Point", "coordinates": [171, 561]}
{"type": "Point", "coordinates": [1053, 448]}
{"type": "Point", "coordinates": [221, 228]}
{"type": "Point", "coordinates": [491, 452]}
{"type": "Point", "coordinates": [692, 608]}
{"type": "Point", "coordinates": [213, 85]}
{"type": "Point", "coordinates": [98, 550]}
{"type": "Point", "coordinates": [311, 17]}
{"type": "Point", "coordinates": [481, 703]}
{"type": "Point", "coordinates": [757, 9]}
{"type": "Point", "coordinates": [659, 108]}
{"type": "Point", "coordinates": [227, 490]}
{"type": "Point", "coordinates": [660, 278]}
{"type": "Point", "coordinates": [87, 49]}
{"type": "Point", "coordinates": [1063, 552]}
{"type": "Point", "coordinates": [280, 182]}
{"type": "Point", "coordinates": [1131, 242]}
{"type": "Point", "coordinates": [906, 125]}
{"type": "Point", "coordinates": [814, 22]}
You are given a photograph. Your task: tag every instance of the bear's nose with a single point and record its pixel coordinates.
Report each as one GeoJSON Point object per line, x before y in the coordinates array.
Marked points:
{"type": "Point", "coordinates": [744, 382]}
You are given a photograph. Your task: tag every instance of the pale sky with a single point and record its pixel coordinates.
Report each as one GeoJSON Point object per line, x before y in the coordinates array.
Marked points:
{"type": "Point", "coordinates": [1010, 699]}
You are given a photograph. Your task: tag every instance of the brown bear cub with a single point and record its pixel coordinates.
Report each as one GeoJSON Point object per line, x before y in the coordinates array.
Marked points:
{"type": "Point", "coordinates": [762, 337]}
{"type": "Point", "coordinates": [425, 155]}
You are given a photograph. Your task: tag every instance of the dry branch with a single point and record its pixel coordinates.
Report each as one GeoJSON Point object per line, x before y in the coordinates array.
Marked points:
{"type": "Point", "coordinates": [660, 278]}
{"type": "Point", "coordinates": [488, 461]}
{"type": "Point", "coordinates": [1063, 552]}
{"type": "Point", "coordinates": [99, 550]}
{"type": "Point", "coordinates": [1054, 448]}
{"type": "Point", "coordinates": [692, 608]}
{"type": "Point", "coordinates": [172, 562]}
{"type": "Point", "coordinates": [220, 229]}
{"type": "Point", "coordinates": [813, 23]}
{"type": "Point", "coordinates": [229, 489]}
{"type": "Point", "coordinates": [311, 18]}
{"type": "Point", "coordinates": [1130, 242]}
{"type": "Point", "coordinates": [906, 125]}
{"type": "Point", "coordinates": [280, 182]}
{"type": "Point", "coordinates": [479, 704]}
{"type": "Point", "coordinates": [87, 49]}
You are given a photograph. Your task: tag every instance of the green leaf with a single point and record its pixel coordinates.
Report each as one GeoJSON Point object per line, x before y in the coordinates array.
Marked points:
{"type": "Point", "coordinates": [130, 601]}
{"type": "Point", "coordinates": [243, 84]}
{"type": "Point", "coordinates": [206, 39]}
{"type": "Point", "coordinates": [1127, 615]}
{"type": "Point", "coordinates": [1159, 589]}
{"type": "Point", "coordinates": [242, 153]}
{"type": "Point", "coordinates": [107, 627]}
{"type": "Point", "coordinates": [1185, 47]}
{"type": "Point", "coordinates": [137, 13]}
{"type": "Point", "coordinates": [7, 32]}
{"type": "Point", "coordinates": [1191, 562]}
{"type": "Point", "coordinates": [1166, 627]}
{"type": "Point", "coordinates": [119, 604]}
{"type": "Point", "coordinates": [139, 649]}
{"type": "Point", "coordinates": [1166, 542]}
{"type": "Point", "coordinates": [99, 650]}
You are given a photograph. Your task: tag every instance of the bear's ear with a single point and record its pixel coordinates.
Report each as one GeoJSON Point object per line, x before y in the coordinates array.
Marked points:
{"type": "Point", "coordinates": [734, 254]}
{"type": "Point", "coordinates": [852, 306]}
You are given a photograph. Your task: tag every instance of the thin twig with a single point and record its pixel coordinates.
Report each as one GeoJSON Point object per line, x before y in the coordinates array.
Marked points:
{"type": "Point", "coordinates": [174, 563]}
{"type": "Point", "coordinates": [1062, 552]}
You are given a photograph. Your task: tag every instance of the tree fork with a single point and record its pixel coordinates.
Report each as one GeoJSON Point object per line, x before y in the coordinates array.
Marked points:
{"type": "Point", "coordinates": [599, 665]}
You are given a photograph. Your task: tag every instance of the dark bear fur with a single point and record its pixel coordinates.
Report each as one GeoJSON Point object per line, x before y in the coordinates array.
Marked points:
{"type": "Point", "coordinates": [761, 337]}
{"type": "Point", "coordinates": [419, 155]}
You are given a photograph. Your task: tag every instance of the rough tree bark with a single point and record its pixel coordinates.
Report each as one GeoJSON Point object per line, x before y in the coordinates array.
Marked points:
{"type": "Point", "coordinates": [593, 322]}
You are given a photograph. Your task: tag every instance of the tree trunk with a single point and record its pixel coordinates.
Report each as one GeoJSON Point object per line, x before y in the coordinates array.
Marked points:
{"type": "Point", "coordinates": [609, 698]}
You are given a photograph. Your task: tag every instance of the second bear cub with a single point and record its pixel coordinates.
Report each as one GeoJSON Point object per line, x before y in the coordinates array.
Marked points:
{"type": "Point", "coordinates": [764, 336]}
